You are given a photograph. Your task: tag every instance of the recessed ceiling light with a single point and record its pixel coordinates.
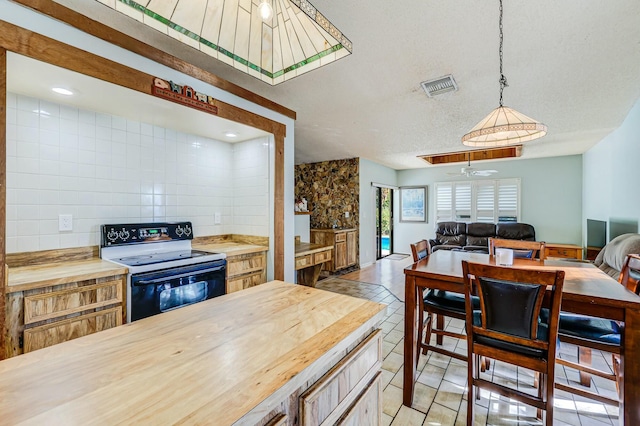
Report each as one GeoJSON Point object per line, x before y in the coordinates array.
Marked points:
{"type": "Point", "coordinates": [231, 134]}
{"type": "Point", "coordinates": [62, 91]}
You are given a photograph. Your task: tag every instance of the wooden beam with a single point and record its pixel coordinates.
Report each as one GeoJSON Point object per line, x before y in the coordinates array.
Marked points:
{"type": "Point", "coordinates": [475, 155]}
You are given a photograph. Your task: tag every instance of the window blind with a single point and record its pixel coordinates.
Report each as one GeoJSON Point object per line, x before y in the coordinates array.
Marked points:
{"type": "Point", "coordinates": [488, 201]}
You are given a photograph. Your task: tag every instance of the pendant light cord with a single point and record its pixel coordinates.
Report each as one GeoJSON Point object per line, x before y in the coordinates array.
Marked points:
{"type": "Point", "coordinates": [503, 79]}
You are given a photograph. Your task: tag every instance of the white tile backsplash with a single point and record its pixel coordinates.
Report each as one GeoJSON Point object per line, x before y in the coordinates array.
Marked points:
{"type": "Point", "coordinates": [105, 169]}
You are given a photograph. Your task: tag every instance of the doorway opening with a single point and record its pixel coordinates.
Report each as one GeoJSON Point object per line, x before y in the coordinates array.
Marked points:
{"type": "Point", "coordinates": [384, 222]}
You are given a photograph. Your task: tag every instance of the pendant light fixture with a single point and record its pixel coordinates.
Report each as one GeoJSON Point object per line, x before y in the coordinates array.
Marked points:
{"type": "Point", "coordinates": [504, 126]}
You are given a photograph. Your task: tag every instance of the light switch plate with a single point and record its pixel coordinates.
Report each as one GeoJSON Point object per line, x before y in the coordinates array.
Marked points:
{"type": "Point", "coordinates": [346, 214]}
{"type": "Point", "coordinates": [65, 222]}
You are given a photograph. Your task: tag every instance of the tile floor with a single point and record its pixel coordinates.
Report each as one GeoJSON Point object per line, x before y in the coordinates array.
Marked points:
{"type": "Point", "coordinates": [440, 396]}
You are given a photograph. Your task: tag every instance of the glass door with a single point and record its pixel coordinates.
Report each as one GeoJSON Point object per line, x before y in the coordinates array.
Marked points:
{"type": "Point", "coordinates": [384, 222]}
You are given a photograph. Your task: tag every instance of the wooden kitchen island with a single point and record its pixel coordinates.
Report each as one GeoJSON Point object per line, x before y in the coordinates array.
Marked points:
{"type": "Point", "coordinates": [273, 354]}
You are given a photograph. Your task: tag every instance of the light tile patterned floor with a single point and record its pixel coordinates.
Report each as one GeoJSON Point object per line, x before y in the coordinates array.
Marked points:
{"type": "Point", "coordinates": [440, 391]}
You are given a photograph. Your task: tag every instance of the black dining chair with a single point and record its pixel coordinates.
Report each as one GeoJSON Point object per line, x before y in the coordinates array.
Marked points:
{"type": "Point", "coordinates": [588, 333]}
{"type": "Point", "coordinates": [508, 327]}
{"type": "Point", "coordinates": [438, 304]}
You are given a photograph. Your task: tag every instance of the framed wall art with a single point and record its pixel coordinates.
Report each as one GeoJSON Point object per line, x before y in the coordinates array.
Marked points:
{"type": "Point", "coordinates": [413, 204]}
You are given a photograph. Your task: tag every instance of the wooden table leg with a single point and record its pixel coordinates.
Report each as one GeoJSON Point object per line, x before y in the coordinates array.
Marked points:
{"type": "Point", "coordinates": [410, 340]}
{"type": "Point", "coordinates": [630, 369]}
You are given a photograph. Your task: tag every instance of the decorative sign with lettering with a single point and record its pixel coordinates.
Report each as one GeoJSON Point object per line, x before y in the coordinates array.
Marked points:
{"type": "Point", "coordinates": [183, 95]}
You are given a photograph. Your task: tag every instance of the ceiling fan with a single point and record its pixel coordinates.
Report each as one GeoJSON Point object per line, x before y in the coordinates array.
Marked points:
{"type": "Point", "coordinates": [469, 171]}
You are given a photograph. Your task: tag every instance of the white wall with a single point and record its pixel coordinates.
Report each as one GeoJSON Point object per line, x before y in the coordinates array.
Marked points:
{"type": "Point", "coordinates": [106, 169]}
{"type": "Point", "coordinates": [370, 172]}
{"type": "Point", "coordinates": [610, 174]}
{"type": "Point", "coordinates": [42, 24]}
{"type": "Point", "coordinates": [551, 190]}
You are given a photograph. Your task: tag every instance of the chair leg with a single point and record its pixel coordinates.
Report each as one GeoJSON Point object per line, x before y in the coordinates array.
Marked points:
{"type": "Point", "coordinates": [584, 357]}
{"type": "Point", "coordinates": [540, 379]}
{"type": "Point", "coordinates": [420, 319]}
{"type": "Point", "coordinates": [440, 325]}
{"type": "Point", "coordinates": [471, 389]}
{"type": "Point", "coordinates": [616, 370]}
{"type": "Point", "coordinates": [427, 333]}
{"type": "Point", "coordinates": [549, 389]}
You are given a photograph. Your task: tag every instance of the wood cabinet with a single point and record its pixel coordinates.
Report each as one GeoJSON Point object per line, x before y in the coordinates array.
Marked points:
{"type": "Point", "coordinates": [351, 389]}
{"type": "Point", "coordinates": [246, 270]}
{"type": "Point", "coordinates": [566, 251]}
{"type": "Point", "coordinates": [41, 317]}
{"type": "Point", "coordinates": [348, 393]}
{"type": "Point", "coordinates": [345, 246]}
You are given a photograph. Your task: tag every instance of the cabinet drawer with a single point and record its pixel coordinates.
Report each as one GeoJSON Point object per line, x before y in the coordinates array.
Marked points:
{"type": "Point", "coordinates": [246, 264]}
{"type": "Point", "coordinates": [44, 306]}
{"type": "Point", "coordinates": [564, 252]}
{"type": "Point", "coordinates": [321, 257]}
{"type": "Point", "coordinates": [367, 409]}
{"type": "Point", "coordinates": [330, 397]}
{"type": "Point", "coordinates": [304, 261]}
{"type": "Point", "coordinates": [68, 329]}
{"type": "Point", "coordinates": [246, 281]}
{"type": "Point", "coordinates": [342, 236]}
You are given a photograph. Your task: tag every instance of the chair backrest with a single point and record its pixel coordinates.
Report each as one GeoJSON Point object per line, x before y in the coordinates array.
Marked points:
{"type": "Point", "coordinates": [630, 273]}
{"type": "Point", "coordinates": [419, 250]}
{"type": "Point", "coordinates": [510, 303]}
{"type": "Point", "coordinates": [523, 249]}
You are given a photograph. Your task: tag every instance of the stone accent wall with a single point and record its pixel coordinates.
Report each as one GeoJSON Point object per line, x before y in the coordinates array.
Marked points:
{"type": "Point", "coordinates": [332, 188]}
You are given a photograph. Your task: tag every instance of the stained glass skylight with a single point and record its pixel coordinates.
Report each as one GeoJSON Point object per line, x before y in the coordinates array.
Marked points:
{"type": "Point", "coordinates": [297, 39]}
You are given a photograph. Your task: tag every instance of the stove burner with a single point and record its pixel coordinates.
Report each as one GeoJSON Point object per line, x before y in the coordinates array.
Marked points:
{"type": "Point", "coordinates": [148, 259]}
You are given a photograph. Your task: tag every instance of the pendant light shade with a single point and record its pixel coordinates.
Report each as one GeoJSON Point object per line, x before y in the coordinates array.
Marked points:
{"type": "Point", "coordinates": [504, 126]}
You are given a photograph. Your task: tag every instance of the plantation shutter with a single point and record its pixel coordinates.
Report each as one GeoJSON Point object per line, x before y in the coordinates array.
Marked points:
{"type": "Point", "coordinates": [462, 201]}
{"type": "Point", "coordinates": [485, 201]}
{"type": "Point", "coordinates": [508, 200]}
{"type": "Point", "coordinates": [444, 202]}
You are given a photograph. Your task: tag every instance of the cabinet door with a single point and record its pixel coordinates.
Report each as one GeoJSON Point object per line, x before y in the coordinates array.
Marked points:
{"type": "Point", "coordinates": [344, 386]}
{"type": "Point", "coordinates": [352, 249]}
{"type": "Point", "coordinates": [341, 255]}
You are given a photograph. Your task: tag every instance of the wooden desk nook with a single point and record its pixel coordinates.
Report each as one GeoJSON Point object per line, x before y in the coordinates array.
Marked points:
{"type": "Point", "coordinates": [587, 290]}
{"type": "Point", "coordinates": [309, 261]}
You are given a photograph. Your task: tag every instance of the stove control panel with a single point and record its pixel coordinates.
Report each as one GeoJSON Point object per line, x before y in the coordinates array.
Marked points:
{"type": "Point", "coordinates": [136, 233]}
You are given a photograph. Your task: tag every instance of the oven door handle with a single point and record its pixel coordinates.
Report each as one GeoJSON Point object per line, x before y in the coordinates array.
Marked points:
{"type": "Point", "coordinates": [170, 277]}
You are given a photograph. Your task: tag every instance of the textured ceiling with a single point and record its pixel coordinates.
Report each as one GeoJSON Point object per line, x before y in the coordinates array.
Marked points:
{"type": "Point", "coordinates": [572, 64]}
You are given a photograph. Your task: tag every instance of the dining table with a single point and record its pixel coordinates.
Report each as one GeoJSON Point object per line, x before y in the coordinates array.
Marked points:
{"type": "Point", "coordinates": [587, 290]}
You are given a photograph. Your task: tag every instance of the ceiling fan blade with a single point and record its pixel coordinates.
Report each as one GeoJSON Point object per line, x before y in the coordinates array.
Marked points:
{"type": "Point", "coordinates": [484, 172]}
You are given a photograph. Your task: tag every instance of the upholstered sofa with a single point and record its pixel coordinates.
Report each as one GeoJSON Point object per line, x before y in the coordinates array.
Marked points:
{"type": "Point", "coordinates": [612, 256]}
{"type": "Point", "coordinates": [475, 236]}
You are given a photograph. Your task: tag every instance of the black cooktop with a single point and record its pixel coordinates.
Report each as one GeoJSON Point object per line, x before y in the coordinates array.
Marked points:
{"type": "Point", "coordinates": [148, 259]}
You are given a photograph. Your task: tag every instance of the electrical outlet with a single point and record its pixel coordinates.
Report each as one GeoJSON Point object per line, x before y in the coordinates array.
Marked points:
{"type": "Point", "coordinates": [217, 218]}
{"type": "Point", "coordinates": [65, 222]}
{"type": "Point", "coordinates": [346, 214]}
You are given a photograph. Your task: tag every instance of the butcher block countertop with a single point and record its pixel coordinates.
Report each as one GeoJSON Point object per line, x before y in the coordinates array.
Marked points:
{"type": "Point", "coordinates": [36, 276]}
{"type": "Point", "coordinates": [224, 360]}
{"type": "Point", "coordinates": [230, 248]}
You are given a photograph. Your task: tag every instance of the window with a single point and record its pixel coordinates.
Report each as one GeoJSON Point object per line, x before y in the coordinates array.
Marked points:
{"type": "Point", "coordinates": [478, 201]}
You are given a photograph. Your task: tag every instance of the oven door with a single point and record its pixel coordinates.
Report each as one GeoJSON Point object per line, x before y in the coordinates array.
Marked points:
{"type": "Point", "coordinates": [160, 291]}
